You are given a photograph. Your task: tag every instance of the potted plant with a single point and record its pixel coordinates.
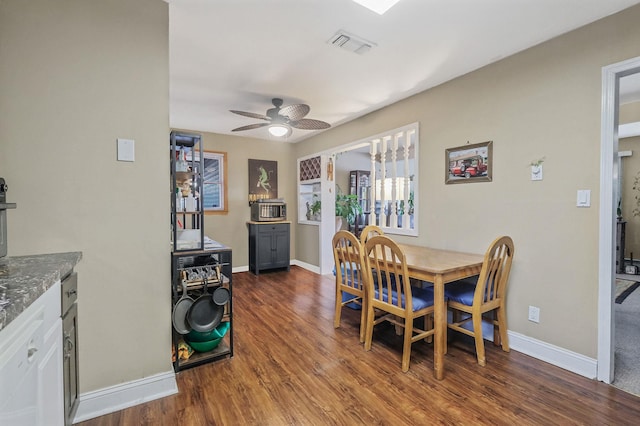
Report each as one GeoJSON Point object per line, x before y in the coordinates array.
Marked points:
{"type": "Point", "coordinates": [409, 212]}
{"type": "Point", "coordinates": [619, 210]}
{"type": "Point", "coordinates": [313, 208]}
{"type": "Point", "coordinates": [347, 208]}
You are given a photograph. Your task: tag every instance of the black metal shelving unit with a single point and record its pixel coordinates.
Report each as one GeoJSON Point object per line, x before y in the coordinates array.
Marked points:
{"type": "Point", "coordinates": [190, 248]}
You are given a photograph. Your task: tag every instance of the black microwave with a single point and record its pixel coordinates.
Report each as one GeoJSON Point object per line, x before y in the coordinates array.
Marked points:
{"type": "Point", "coordinates": [266, 211]}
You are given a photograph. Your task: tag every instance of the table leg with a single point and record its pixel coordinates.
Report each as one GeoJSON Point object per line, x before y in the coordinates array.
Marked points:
{"type": "Point", "coordinates": [440, 325]}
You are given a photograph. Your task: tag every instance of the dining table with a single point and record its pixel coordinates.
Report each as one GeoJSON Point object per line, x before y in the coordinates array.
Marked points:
{"type": "Point", "coordinates": [440, 267]}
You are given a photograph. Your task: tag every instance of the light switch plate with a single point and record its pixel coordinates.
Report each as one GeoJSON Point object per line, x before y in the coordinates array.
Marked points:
{"type": "Point", "coordinates": [584, 198]}
{"type": "Point", "coordinates": [126, 150]}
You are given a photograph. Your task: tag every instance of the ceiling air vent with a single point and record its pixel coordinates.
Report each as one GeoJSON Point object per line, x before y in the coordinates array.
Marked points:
{"type": "Point", "coordinates": [350, 42]}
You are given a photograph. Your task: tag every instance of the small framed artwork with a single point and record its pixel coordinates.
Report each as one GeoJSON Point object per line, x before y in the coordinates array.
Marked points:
{"type": "Point", "coordinates": [469, 163]}
{"type": "Point", "coordinates": [263, 180]}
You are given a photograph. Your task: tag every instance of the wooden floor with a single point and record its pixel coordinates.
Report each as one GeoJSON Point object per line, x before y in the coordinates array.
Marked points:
{"type": "Point", "coordinates": [291, 367]}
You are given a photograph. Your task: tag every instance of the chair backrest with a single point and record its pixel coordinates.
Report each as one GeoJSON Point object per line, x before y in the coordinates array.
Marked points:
{"type": "Point", "coordinates": [388, 283]}
{"type": "Point", "coordinates": [494, 276]}
{"type": "Point", "coordinates": [368, 232]}
{"type": "Point", "coordinates": [349, 260]}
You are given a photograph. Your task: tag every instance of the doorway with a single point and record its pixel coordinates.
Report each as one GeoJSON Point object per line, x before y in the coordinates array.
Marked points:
{"type": "Point", "coordinates": [609, 195]}
{"type": "Point", "coordinates": [627, 304]}
{"type": "Point", "coordinates": [344, 158]}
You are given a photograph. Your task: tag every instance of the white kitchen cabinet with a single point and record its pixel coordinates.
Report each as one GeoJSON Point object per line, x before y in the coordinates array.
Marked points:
{"type": "Point", "coordinates": [50, 397]}
{"type": "Point", "coordinates": [70, 346]}
{"type": "Point", "coordinates": [31, 365]}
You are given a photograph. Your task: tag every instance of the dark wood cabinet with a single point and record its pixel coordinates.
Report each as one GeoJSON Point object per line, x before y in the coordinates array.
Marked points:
{"type": "Point", "coordinates": [269, 245]}
{"type": "Point", "coordinates": [359, 185]}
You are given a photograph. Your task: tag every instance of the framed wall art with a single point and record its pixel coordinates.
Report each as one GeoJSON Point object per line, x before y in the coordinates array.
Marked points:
{"type": "Point", "coordinates": [263, 180]}
{"type": "Point", "coordinates": [469, 163]}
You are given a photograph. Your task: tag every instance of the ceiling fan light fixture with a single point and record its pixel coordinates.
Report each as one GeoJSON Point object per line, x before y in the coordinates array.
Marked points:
{"type": "Point", "coordinates": [279, 130]}
{"type": "Point", "coordinates": [280, 121]}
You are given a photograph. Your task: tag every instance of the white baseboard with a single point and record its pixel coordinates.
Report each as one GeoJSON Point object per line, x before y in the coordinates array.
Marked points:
{"type": "Point", "coordinates": [244, 268]}
{"type": "Point", "coordinates": [307, 266]}
{"type": "Point", "coordinates": [560, 357]}
{"type": "Point", "coordinates": [114, 398]}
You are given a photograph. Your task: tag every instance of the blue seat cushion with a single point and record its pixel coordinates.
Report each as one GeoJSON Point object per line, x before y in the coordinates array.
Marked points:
{"type": "Point", "coordinates": [422, 297]}
{"type": "Point", "coordinates": [461, 291]}
{"type": "Point", "coordinates": [348, 296]}
{"type": "Point", "coordinates": [345, 269]}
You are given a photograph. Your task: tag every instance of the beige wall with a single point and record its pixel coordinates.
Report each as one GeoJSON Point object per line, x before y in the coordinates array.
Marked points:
{"type": "Point", "coordinates": [231, 228]}
{"type": "Point", "coordinates": [74, 76]}
{"type": "Point", "coordinates": [543, 102]}
{"type": "Point", "coordinates": [348, 161]}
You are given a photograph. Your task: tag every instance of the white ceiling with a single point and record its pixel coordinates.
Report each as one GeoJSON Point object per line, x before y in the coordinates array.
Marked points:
{"type": "Point", "coordinates": [238, 54]}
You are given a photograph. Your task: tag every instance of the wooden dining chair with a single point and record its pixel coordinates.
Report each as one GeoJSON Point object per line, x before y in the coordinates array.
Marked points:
{"type": "Point", "coordinates": [369, 231]}
{"type": "Point", "coordinates": [349, 265]}
{"type": "Point", "coordinates": [389, 291]}
{"type": "Point", "coordinates": [471, 299]}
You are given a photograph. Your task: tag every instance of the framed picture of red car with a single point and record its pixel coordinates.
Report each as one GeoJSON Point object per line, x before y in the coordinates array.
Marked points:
{"type": "Point", "coordinates": [469, 163]}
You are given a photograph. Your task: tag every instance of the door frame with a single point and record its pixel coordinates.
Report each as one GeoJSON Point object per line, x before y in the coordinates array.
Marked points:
{"type": "Point", "coordinates": [611, 75]}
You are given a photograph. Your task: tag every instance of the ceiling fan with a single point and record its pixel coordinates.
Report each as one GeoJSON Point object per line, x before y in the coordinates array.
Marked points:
{"type": "Point", "coordinates": [282, 119]}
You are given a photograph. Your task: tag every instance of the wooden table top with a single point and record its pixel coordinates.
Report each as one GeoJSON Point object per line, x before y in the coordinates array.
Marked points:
{"type": "Point", "coordinates": [437, 261]}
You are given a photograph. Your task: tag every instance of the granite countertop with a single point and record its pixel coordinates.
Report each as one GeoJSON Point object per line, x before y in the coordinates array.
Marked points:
{"type": "Point", "coordinates": [25, 278]}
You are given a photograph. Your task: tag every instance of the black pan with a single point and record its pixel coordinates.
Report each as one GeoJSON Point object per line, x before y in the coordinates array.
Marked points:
{"type": "Point", "coordinates": [180, 310]}
{"type": "Point", "coordinates": [221, 295]}
{"type": "Point", "coordinates": [204, 315]}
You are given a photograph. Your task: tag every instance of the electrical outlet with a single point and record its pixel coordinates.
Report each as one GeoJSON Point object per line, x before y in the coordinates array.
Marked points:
{"type": "Point", "coordinates": [534, 314]}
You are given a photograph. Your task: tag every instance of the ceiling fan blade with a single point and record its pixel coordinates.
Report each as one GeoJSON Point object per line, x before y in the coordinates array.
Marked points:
{"type": "Point", "coordinates": [295, 112]}
{"type": "Point", "coordinates": [251, 114]}
{"type": "Point", "coordinates": [250, 127]}
{"type": "Point", "coordinates": [309, 124]}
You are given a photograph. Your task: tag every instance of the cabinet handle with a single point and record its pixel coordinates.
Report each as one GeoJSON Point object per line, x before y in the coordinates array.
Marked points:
{"type": "Point", "coordinates": [31, 352]}
{"type": "Point", "coordinates": [71, 292]}
{"type": "Point", "coordinates": [68, 345]}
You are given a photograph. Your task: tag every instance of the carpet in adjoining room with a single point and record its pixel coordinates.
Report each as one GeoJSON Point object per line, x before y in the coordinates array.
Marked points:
{"type": "Point", "coordinates": [627, 344]}
{"type": "Point", "coordinates": [624, 288]}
